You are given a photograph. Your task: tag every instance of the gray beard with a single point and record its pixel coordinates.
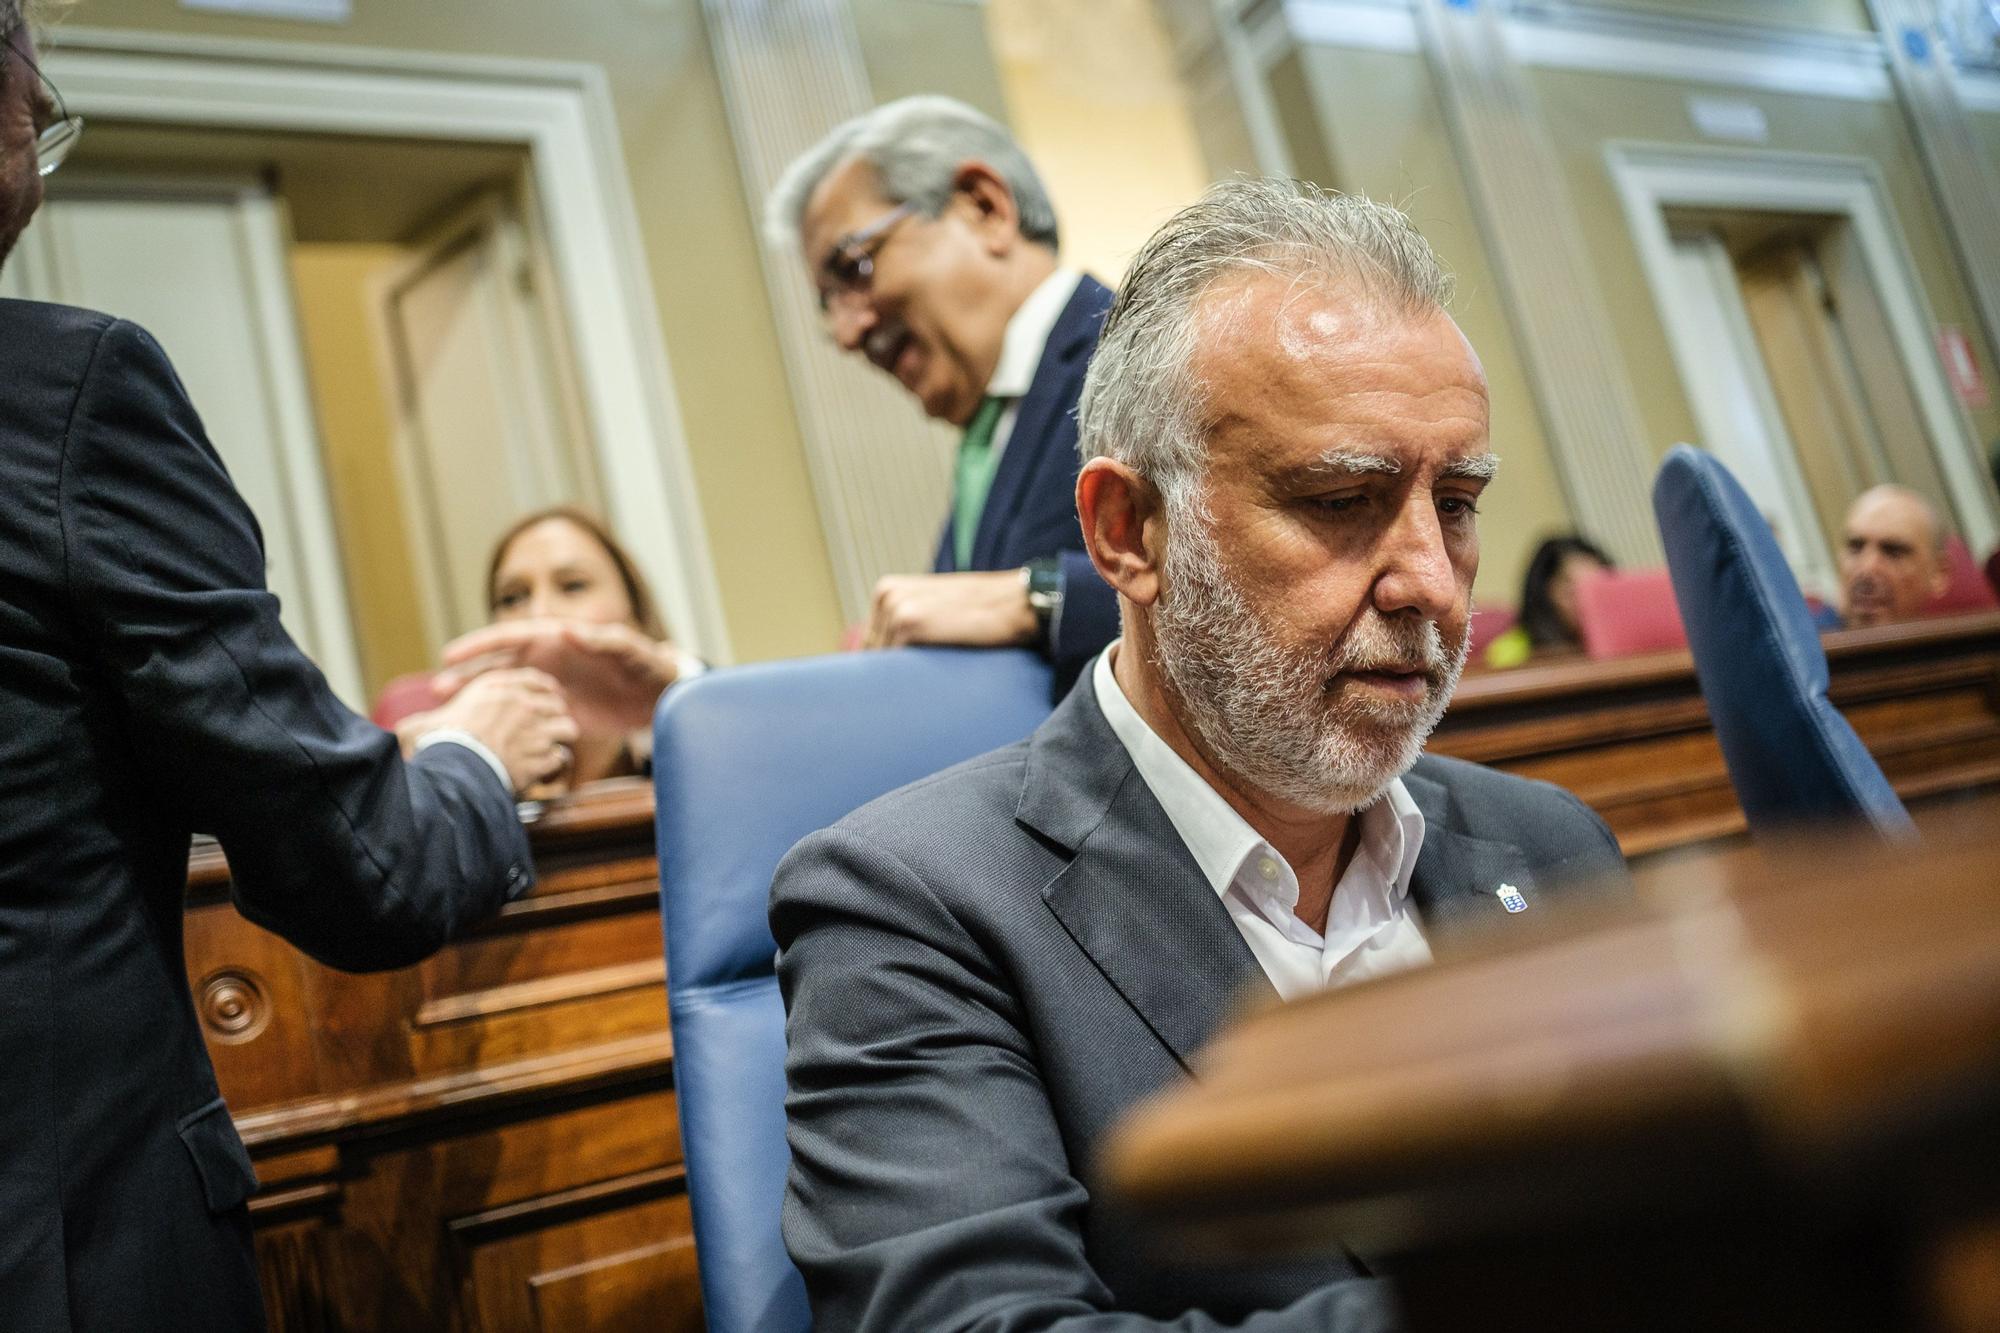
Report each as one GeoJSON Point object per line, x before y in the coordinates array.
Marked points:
{"type": "Point", "coordinates": [1261, 708]}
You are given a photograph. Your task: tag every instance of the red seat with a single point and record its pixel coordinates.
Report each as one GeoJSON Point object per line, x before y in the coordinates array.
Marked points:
{"type": "Point", "coordinates": [1966, 589]}
{"type": "Point", "coordinates": [1622, 612]}
{"type": "Point", "coordinates": [403, 696]}
{"type": "Point", "coordinates": [1489, 623]}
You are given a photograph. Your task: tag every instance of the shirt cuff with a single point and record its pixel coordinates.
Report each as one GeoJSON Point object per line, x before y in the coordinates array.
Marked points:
{"type": "Point", "coordinates": [454, 736]}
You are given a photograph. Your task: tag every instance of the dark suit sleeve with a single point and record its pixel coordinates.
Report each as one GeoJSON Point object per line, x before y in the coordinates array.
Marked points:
{"type": "Point", "coordinates": [333, 841]}
{"type": "Point", "coordinates": [930, 1186]}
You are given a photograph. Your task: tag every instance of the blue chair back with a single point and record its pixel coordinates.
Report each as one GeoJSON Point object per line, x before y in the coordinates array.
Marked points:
{"type": "Point", "coordinates": [1792, 757]}
{"type": "Point", "coordinates": [745, 763]}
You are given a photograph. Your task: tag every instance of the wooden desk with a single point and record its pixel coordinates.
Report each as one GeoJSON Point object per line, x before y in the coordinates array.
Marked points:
{"type": "Point", "coordinates": [488, 1139]}
{"type": "Point", "coordinates": [485, 1140]}
{"type": "Point", "coordinates": [1771, 1101]}
{"type": "Point", "coordinates": [1632, 738]}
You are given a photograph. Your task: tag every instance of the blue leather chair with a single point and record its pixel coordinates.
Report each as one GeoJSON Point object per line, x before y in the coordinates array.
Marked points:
{"type": "Point", "coordinates": [745, 763]}
{"type": "Point", "coordinates": [1792, 757]}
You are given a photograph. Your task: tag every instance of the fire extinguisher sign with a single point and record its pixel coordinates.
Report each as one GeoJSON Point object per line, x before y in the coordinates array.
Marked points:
{"type": "Point", "coordinates": [1955, 350]}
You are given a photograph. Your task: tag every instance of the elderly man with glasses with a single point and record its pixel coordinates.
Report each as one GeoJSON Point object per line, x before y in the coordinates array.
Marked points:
{"type": "Point", "coordinates": [932, 245]}
{"type": "Point", "coordinates": [148, 691]}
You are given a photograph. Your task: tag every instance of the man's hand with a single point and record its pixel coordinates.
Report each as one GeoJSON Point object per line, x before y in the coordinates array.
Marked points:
{"type": "Point", "coordinates": [986, 610]}
{"type": "Point", "coordinates": [612, 675]}
{"type": "Point", "coordinates": [518, 713]}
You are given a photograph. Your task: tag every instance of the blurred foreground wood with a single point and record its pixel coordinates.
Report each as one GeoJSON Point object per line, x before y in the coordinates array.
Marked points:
{"type": "Point", "coordinates": [1767, 1098]}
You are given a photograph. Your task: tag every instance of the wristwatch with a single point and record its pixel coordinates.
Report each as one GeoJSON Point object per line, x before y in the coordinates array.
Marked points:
{"type": "Point", "coordinates": [1043, 580]}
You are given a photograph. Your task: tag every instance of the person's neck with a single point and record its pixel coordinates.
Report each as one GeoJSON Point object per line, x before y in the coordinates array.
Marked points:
{"type": "Point", "coordinates": [1027, 268]}
{"type": "Point", "coordinates": [1004, 291]}
{"type": "Point", "coordinates": [597, 757]}
{"type": "Point", "coordinates": [1317, 846]}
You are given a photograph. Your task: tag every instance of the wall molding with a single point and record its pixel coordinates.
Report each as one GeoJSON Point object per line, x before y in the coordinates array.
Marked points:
{"type": "Point", "coordinates": [562, 113]}
{"type": "Point", "coordinates": [1554, 35]}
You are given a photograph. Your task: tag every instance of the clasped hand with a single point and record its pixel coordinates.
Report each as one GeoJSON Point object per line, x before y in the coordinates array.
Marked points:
{"type": "Point", "coordinates": [612, 675]}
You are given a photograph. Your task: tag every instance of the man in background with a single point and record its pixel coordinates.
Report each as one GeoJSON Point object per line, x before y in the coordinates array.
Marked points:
{"type": "Point", "coordinates": [1891, 557]}
{"type": "Point", "coordinates": [983, 972]}
{"type": "Point", "coordinates": [148, 691]}
{"type": "Point", "coordinates": [932, 245]}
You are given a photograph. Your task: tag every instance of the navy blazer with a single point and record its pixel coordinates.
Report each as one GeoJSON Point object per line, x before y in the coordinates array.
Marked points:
{"type": "Point", "coordinates": [1031, 509]}
{"type": "Point", "coordinates": [147, 691]}
{"type": "Point", "coordinates": [985, 970]}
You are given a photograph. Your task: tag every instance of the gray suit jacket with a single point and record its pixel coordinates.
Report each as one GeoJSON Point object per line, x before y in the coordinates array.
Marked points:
{"type": "Point", "coordinates": [984, 970]}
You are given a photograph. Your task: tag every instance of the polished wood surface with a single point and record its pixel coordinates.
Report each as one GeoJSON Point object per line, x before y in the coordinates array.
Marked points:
{"type": "Point", "coordinates": [486, 1140]}
{"type": "Point", "coordinates": [1632, 736]}
{"type": "Point", "coordinates": [1769, 1097]}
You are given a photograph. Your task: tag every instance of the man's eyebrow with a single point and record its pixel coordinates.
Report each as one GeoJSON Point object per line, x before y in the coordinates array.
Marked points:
{"type": "Point", "coordinates": [1479, 467]}
{"type": "Point", "coordinates": [1351, 463]}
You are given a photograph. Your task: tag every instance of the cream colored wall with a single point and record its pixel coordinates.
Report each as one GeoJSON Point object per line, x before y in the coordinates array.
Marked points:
{"type": "Point", "coordinates": [1381, 131]}
{"type": "Point", "coordinates": [1383, 134]}
{"type": "Point", "coordinates": [1093, 96]}
{"type": "Point", "coordinates": [332, 292]}
{"type": "Point", "coordinates": [922, 46]}
{"type": "Point", "coordinates": [770, 553]}
{"type": "Point", "coordinates": [1584, 111]}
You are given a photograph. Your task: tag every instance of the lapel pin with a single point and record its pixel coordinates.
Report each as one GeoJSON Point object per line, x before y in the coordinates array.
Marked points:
{"type": "Point", "coordinates": [1511, 899]}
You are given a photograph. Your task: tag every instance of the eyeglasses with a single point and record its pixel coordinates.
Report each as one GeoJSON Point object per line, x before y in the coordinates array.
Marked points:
{"type": "Point", "coordinates": [59, 136]}
{"type": "Point", "coordinates": [849, 270]}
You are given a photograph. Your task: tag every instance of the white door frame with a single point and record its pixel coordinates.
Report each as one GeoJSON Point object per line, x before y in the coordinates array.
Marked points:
{"type": "Point", "coordinates": [1774, 479]}
{"type": "Point", "coordinates": [1652, 178]}
{"type": "Point", "coordinates": [317, 609]}
{"type": "Point", "coordinates": [562, 113]}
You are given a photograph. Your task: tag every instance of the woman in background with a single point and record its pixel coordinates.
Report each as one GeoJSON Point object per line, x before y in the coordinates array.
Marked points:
{"type": "Point", "coordinates": [1547, 624]}
{"type": "Point", "coordinates": [561, 565]}
{"type": "Point", "coordinates": [566, 597]}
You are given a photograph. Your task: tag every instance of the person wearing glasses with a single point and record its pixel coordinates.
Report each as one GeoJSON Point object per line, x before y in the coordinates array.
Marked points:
{"type": "Point", "coordinates": [932, 244]}
{"type": "Point", "coordinates": [147, 692]}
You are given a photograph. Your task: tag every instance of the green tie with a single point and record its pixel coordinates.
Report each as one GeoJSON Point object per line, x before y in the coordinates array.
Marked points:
{"type": "Point", "coordinates": [974, 478]}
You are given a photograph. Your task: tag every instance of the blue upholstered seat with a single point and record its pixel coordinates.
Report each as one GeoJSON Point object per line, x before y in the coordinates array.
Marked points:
{"type": "Point", "coordinates": [746, 762]}
{"type": "Point", "coordinates": [1792, 757]}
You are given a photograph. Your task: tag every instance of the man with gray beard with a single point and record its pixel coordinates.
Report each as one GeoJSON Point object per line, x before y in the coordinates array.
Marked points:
{"type": "Point", "coordinates": [1286, 441]}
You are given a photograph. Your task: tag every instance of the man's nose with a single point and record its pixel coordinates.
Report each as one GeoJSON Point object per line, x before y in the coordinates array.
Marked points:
{"type": "Point", "coordinates": [850, 317]}
{"type": "Point", "coordinates": [542, 603]}
{"type": "Point", "coordinates": [1417, 573]}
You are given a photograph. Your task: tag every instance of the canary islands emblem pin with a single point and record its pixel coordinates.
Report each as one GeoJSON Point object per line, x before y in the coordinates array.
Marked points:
{"type": "Point", "coordinates": [1511, 899]}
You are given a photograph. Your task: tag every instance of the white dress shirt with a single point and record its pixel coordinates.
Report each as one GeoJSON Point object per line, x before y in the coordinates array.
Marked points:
{"type": "Point", "coordinates": [454, 736]}
{"type": "Point", "coordinates": [1370, 928]}
{"type": "Point", "coordinates": [1022, 346]}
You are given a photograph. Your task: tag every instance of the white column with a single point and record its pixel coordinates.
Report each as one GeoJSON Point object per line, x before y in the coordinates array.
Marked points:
{"type": "Point", "coordinates": [791, 70]}
{"type": "Point", "coordinates": [1965, 181]}
{"type": "Point", "coordinates": [1567, 342]}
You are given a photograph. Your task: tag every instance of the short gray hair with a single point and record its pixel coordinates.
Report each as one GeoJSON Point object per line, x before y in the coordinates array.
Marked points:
{"type": "Point", "coordinates": [915, 145]}
{"type": "Point", "coordinates": [1142, 404]}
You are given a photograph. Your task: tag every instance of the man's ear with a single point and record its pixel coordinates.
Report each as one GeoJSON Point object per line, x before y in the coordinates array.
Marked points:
{"type": "Point", "coordinates": [992, 211]}
{"type": "Point", "coordinates": [1124, 528]}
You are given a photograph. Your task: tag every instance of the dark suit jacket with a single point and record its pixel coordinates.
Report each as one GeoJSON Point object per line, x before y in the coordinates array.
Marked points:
{"type": "Point", "coordinates": [984, 970]}
{"type": "Point", "coordinates": [147, 691]}
{"type": "Point", "coordinates": [1031, 509]}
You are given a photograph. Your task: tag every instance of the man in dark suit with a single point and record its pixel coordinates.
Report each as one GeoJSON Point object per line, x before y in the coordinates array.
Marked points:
{"type": "Point", "coordinates": [984, 971]}
{"type": "Point", "coordinates": [932, 244]}
{"type": "Point", "coordinates": [148, 691]}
